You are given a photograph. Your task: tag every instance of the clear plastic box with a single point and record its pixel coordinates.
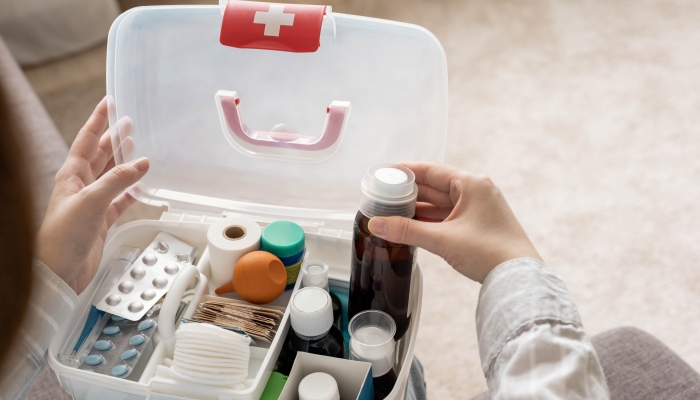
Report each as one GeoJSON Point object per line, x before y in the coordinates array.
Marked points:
{"type": "Point", "coordinates": [167, 72]}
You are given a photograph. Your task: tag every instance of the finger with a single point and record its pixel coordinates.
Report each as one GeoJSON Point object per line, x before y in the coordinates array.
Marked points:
{"type": "Point", "coordinates": [436, 175]}
{"type": "Point", "coordinates": [429, 194]}
{"type": "Point", "coordinates": [118, 207]}
{"type": "Point", "coordinates": [407, 231]}
{"type": "Point", "coordinates": [124, 150]}
{"type": "Point", "coordinates": [85, 144]}
{"type": "Point", "coordinates": [118, 138]}
{"type": "Point", "coordinates": [103, 156]}
{"type": "Point", "coordinates": [433, 213]}
{"type": "Point", "coordinates": [106, 188]}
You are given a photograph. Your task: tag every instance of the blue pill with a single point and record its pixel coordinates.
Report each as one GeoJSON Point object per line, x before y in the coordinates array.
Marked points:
{"type": "Point", "coordinates": [120, 370]}
{"type": "Point", "coordinates": [131, 353]}
{"type": "Point", "coordinates": [117, 318]}
{"type": "Point", "coordinates": [93, 359]}
{"type": "Point", "coordinates": [137, 340]}
{"type": "Point", "coordinates": [103, 345]}
{"type": "Point", "coordinates": [111, 330]}
{"type": "Point", "coordinates": [146, 325]}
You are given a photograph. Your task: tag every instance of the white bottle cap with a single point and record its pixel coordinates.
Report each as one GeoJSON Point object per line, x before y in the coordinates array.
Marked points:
{"type": "Point", "coordinates": [389, 190]}
{"type": "Point", "coordinates": [315, 273]}
{"type": "Point", "coordinates": [318, 386]}
{"type": "Point", "coordinates": [311, 312]}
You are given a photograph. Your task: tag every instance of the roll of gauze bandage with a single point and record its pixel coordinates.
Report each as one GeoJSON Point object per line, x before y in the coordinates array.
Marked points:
{"type": "Point", "coordinates": [229, 240]}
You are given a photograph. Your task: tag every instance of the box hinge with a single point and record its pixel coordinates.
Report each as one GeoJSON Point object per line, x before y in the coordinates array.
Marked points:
{"type": "Point", "coordinates": [317, 227]}
{"type": "Point", "coordinates": [176, 215]}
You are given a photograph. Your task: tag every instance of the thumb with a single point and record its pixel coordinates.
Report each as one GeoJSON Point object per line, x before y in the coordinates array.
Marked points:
{"type": "Point", "coordinates": [406, 231]}
{"type": "Point", "coordinates": [113, 182]}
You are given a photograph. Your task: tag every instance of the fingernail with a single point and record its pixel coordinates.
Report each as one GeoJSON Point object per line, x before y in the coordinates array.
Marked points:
{"type": "Point", "coordinates": [141, 164]}
{"type": "Point", "coordinates": [378, 226]}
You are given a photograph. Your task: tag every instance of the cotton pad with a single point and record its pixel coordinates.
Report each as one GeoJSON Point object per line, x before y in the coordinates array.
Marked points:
{"type": "Point", "coordinates": [208, 355]}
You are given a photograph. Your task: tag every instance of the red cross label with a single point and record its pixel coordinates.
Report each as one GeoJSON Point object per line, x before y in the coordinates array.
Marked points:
{"type": "Point", "coordinates": [270, 26]}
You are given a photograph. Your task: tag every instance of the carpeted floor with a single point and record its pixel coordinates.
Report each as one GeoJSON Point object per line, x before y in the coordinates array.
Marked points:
{"type": "Point", "coordinates": [587, 114]}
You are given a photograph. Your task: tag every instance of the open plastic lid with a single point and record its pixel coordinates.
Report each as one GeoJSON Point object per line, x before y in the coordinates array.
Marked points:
{"type": "Point", "coordinates": [277, 133]}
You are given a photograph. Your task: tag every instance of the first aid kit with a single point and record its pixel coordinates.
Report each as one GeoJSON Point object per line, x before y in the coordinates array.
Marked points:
{"type": "Point", "coordinates": [250, 113]}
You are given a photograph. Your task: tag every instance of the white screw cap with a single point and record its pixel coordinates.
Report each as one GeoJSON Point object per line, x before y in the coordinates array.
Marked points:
{"type": "Point", "coordinates": [388, 190]}
{"type": "Point", "coordinates": [318, 386]}
{"type": "Point", "coordinates": [311, 312]}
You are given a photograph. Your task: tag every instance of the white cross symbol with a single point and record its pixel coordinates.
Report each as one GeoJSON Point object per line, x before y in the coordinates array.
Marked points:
{"type": "Point", "coordinates": [273, 19]}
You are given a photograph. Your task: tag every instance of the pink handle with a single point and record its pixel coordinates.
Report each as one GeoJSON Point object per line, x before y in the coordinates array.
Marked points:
{"type": "Point", "coordinates": [336, 115]}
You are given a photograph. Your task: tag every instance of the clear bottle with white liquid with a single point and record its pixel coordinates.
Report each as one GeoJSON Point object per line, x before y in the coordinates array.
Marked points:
{"type": "Point", "coordinates": [372, 340]}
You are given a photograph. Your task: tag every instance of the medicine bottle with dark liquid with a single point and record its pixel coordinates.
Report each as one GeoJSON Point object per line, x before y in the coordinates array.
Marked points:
{"type": "Point", "coordinates": [384, 384]}
{"type": "Point", "coordinates": [312, 330]}
{"type": "Point", "coordinates": [380, 277]}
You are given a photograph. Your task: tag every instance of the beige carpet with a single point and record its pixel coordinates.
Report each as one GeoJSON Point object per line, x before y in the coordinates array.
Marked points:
{"type": "Point", "coordinates": [587, 114]}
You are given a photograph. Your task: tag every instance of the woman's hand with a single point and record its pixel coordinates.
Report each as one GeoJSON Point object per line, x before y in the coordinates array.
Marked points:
{"type": "Point", "coordinates": [88, 197]}
{"type": "Point", "coordinates": [475, 229]}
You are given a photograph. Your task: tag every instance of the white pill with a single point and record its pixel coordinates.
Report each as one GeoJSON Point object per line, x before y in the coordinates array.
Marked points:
{"type": "Point", "coordinates": [148, 294]}
{"type": "Point", "coordinates": [135, 307]}
{"type": "Point", "coordinates": [113, 300]}
{"type": "Point", "coordinates": [126, 287]}
{"type": "Point", "coordinates": [171, 269]}
{"type": "Point", "coordinates": [149, 259]}
{"type": "Point", "coordinates": [160, 282]}
{"type": "Point", "coordinates": [138, 273]}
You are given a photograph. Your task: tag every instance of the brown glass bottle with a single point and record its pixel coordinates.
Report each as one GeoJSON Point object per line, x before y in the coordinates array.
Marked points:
{"type": "Point", "coordinates": [383, 385]}
{"type": "Point", "coordinates": [380, 278]}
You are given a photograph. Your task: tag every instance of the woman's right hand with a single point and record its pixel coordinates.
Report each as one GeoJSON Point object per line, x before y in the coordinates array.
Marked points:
{"type": "Point", "coordinates": [88, 197]}
{"type": "Point", "coordinates": [474, 230]}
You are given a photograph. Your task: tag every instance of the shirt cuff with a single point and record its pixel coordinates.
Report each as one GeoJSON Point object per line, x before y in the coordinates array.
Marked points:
{"type": "Point", "coordinates": [46, 276]}
{"type": "Point", "coordinates": [51, 301]}
{"type": "Point", "coordinates": [516, 295]}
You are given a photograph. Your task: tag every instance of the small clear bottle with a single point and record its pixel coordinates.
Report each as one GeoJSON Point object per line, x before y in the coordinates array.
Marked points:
{"type": "Point", "coordinates": [381, 271]}
{"type": "Point", "coordinates": [311, 315]}
{"type": "Point", "coordinates": [372, 340]}
{"type": "Point", "coordinates": [314, 273]}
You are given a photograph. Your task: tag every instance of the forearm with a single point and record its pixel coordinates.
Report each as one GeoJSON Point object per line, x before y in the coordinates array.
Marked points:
{"type": "Point", "coordinates": [531, 340]}
{"type": "Point", "coordinates": [50, 303]}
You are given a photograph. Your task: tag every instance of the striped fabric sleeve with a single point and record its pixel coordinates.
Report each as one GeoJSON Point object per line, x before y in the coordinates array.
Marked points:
{"type": "Point", "coordinates": [531, 338]}
{"type": "Point", "coordinates": [51, 301]}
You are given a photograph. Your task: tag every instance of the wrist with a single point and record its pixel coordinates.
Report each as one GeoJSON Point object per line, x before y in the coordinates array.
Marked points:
{"type": "Point", "coordinates": [48, 258]}
{"type": "Point", "coordinates": [502, 257]}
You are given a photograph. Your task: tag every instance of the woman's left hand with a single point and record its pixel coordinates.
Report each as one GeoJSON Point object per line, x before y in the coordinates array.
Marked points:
{"type": "Point", "coordinates": [88, 197]}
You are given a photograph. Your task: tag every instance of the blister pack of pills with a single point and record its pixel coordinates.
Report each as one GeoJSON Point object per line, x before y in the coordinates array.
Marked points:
{"type": "Point", "coordinates": [76, 345]}
{"type": "Point", "coordinates": [119, 343]}
{"type": "Point", "coordinates": [149, 278]}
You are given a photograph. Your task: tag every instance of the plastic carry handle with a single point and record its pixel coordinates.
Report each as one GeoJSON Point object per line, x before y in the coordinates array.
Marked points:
{"type": "Point", "coordinates": [337, 115]}
{"type": "Point", "coordinates": [168, 311]}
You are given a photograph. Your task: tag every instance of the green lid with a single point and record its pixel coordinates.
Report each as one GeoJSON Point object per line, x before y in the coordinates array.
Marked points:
{"type": "Point", "coordinates": [282, 238]}
{"type": "Point", "coordinates": [274, 386]}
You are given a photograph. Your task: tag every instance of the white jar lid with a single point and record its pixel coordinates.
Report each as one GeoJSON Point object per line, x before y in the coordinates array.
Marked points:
{"type": "Point", "coordinates": [311, 312]}
{"type": "Point", "coordinates": [318, 386]}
